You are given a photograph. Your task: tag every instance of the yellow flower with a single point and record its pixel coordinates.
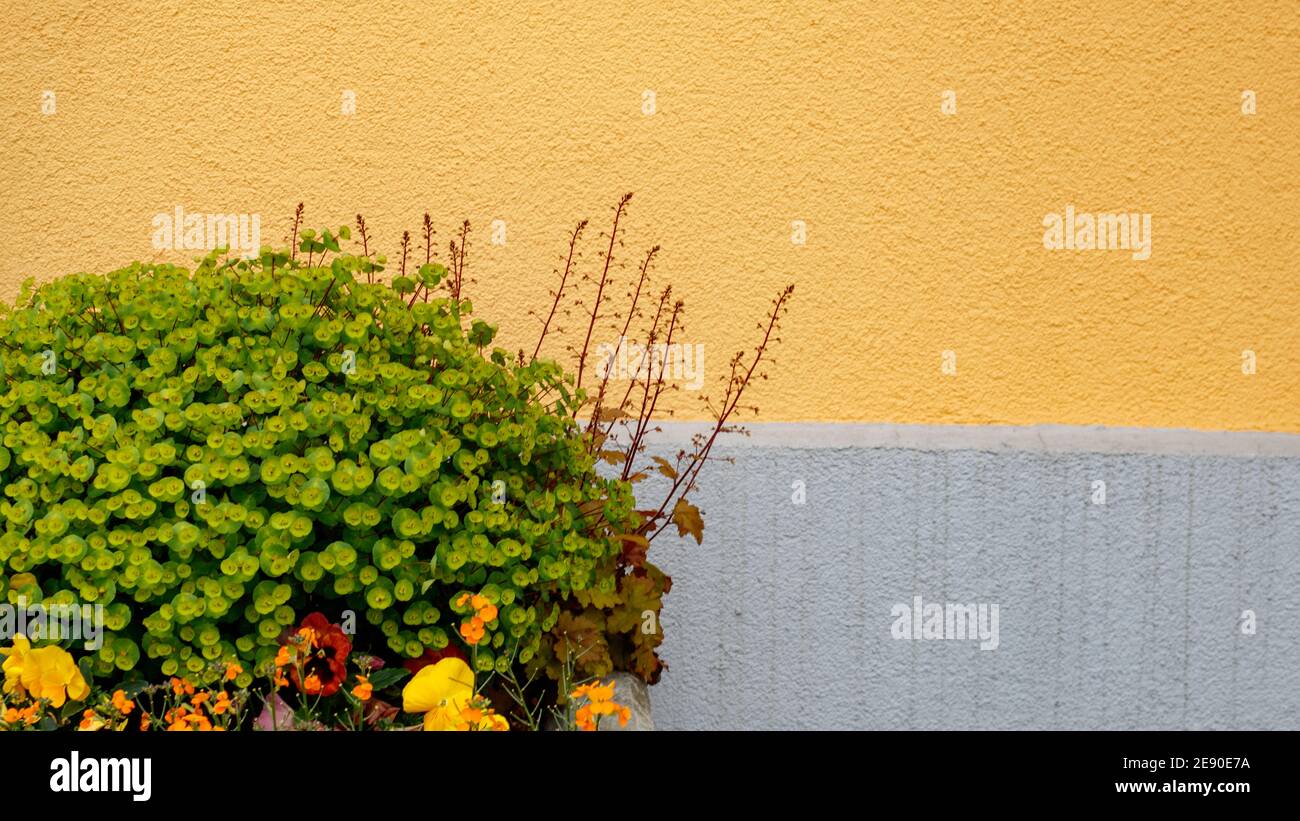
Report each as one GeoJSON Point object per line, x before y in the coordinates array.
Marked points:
{"type": "Point", "coordinates": [440, 691]}
{"type": "Point", "coordinates": [43, 673]}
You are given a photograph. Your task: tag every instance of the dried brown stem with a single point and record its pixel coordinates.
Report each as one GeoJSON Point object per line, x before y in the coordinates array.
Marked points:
{"type": "Point", "coordinates": [685, 480]}
{"type": "Point", "coordinates": [600, 287]}
{"type": "Point", "coordinates": [559, 293]}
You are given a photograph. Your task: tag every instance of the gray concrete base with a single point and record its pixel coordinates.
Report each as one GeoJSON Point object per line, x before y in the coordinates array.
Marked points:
{"type": "Point", "coordinates": [1123, 615]}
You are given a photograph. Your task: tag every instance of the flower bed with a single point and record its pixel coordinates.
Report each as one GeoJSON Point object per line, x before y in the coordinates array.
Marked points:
{"type": "Point", "coordinates": [302, 490]}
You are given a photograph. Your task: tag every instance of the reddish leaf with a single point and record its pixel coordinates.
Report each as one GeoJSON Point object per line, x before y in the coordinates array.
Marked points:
{"type": "Point", "coordinates": [665, 467]}
{"type": "Point", "coordinates": [634, 548]}
{"type": "Point", "coordinates": [687, 518]}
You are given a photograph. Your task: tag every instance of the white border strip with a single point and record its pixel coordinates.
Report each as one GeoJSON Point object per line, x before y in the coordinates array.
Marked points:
{"type": "Point", "coordinates": [991, 438]}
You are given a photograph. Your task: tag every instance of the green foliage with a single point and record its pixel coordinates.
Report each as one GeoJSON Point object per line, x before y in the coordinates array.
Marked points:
{"type": "Point", "coordinates": [212, 456]}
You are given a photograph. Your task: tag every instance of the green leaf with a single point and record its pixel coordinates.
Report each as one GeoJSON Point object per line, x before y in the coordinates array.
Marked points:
{"type": "Point", "coordinates": [387, 677]}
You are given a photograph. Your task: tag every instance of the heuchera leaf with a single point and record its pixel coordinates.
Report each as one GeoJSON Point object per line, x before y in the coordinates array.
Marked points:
{"type": "Point", "coordinates": [687, 518]}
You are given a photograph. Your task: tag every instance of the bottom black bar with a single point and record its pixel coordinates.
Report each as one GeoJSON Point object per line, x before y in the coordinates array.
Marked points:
{"type": "Point", "coordinates": [170, 772]}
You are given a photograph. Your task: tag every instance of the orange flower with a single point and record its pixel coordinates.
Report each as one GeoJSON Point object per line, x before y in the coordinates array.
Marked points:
{"type": "Point", "coordinates": [11, 715]}
{"type": "Point", "coordinates": [280, 679]}
{"type": "Point", "coordinates": [282, 658]}
{"type": "Point", "coordinates": [222, 704]}
{"type": "Point", "coordinates": [308, 636]}
{"type": "Point", "coordinates": [176, 720]}
{"type": "Point", "coordinates": [122, 704]}
{"type": "Point", "coordinates": [473, 631]}
{"type": "Point", "coordinates": [182, 686]}
{"type": "Point", "coordinates": [232, 670]}
{"type": "Point", "coordinates": [484, 609]}
{"type": "Point", "coordinates": [364, 689]}
{"type": "Point", "coordinates": [471, 714]}
{"type": "Point", "coordinates": [200, 698]}
{"type": "Point", "coordinates": [144, 721]}
{"type": "Point", "coordinates": [312, 684]}
{"type": "Point", "coordinates": [494, 722]}
{"type": "Point", "coordinates": [199, 720]}
{"type": "Point", "coordinates": [477, 715]}
{"type": "Point", "coordinates": [460, 601]}
{"type": "Point", "coordinates": [600, 702]}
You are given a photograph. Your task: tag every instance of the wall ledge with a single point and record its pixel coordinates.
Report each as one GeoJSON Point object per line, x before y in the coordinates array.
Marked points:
{"type": "Point", "coordinates": [992, 438]}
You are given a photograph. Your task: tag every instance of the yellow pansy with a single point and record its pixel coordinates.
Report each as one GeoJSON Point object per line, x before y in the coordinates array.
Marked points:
{"type": "Point", "coordinates": [43, 673]}
{"type": "Point", "coordinates": [440, 691]}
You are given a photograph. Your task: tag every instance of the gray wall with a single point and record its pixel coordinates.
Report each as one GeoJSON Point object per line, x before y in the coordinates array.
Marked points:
{"type": "Point", "coordinates": [1119, 616]}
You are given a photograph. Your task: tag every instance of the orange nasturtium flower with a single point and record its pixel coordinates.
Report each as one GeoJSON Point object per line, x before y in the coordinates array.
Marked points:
{"type": "Point", "coordinates": [484, 612]}
{"type": "Point", "coordinates": [484, 609]}
{"type": "Point", "coordinates": [222, 704]}
{"type": "Point", "coordinates": [440, 691]}
{"type": "Point", "coordinates": [121, 703]}
{"type": "Point", "coordinates": [44, 673]}
{"type": "Point", "coordinates": [90, 720]}
{"type": "Point", "coordinates": [479, 717]}
{"type": "Point", "coordinates": [472, 631]}
{"type": "Point", "coordinates": [600, 702]}
{"type": "Point", "coordinates": [364, 689]}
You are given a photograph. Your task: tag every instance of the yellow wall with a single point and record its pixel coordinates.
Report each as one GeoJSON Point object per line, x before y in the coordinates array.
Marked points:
{"type": "Point", "coordinates": [924, 230]}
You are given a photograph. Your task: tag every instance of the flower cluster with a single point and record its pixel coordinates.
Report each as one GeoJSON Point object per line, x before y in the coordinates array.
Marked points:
{"type": "Point", "coordinates": [445, 693]}
{"type": "Point", "coordinates": [485, 612]}
{"type": "Point", "coordinates": [201, 712]}
{"type": "Point", "coordinates": [600, 702]}
{"type": "Point", "coordinates": [42, 674]}
{"type": "Point", "coordinates": [317, 657]}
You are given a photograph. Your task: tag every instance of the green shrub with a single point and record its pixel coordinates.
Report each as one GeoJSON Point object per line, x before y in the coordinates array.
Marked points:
{"type": "Point", "coordinates": [212, 456]}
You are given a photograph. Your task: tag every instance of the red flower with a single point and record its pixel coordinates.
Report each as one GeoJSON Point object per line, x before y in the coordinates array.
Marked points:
{"type": "Point", "coordinates": [433, 657]}
{"type": "Point", "coordinates": [325, 652]}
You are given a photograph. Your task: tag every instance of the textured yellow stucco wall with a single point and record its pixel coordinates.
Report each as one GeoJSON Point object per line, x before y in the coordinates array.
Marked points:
{"type": "Point", "coordinates": [924, 231]}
